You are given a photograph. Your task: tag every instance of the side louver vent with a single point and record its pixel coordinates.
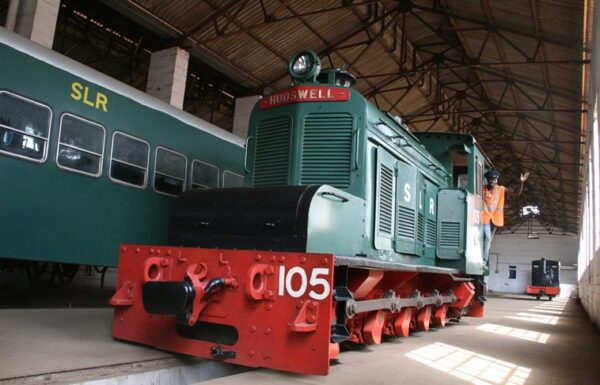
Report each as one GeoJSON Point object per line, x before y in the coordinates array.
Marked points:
{"type": "Point", "coordinates": [271, 162]}
{"type": "Point", "coordinates": [431, 232]}
{"type": "Point", "coordinates": [327, 149]}
{"type": "Point", "coordinates": [450, 234]}
{"type": "Point", "coordinates": [405, 220]}
{"type": "Point", "coordinates": [386, 193]}
{"type": "Point", "coordinates": [420, 227]}
{"type": "Point", "coordinates": [478, 177]}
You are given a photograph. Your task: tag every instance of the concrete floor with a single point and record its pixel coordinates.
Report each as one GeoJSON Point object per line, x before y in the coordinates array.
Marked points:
{"type": "Point", "coordinates": [63, 335]}
{"type": "Point", "coordinates": [520, 341]}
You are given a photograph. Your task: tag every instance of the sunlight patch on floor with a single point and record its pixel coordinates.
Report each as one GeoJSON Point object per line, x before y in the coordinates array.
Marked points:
{"type": "Point", "coordinates": [527, 335]}
{"type": "Point", "coordinates": [545, 311]}
{"type": "Point", "coordinates": [476, 368]}
{"type": "Point", "coordinates": [552, 308]}
{"type": "Point", "coordinates": [538, 318]}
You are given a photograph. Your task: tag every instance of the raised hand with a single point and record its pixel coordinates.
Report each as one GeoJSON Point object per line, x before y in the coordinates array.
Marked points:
{"type": "Point", "coordinates": [524, 177]}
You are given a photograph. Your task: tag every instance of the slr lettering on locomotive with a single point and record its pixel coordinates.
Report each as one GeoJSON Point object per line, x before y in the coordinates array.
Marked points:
{"type": "Point", "coordinates": [407, 195]}
{"type": "Point", "coordinates": [82, 93]}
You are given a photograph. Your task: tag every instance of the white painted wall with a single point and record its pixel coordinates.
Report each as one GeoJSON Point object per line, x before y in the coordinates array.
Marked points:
{"type": "Point", "coordinates": [589, 246]}
{"type": "Point", "coordinates": [241, 118]}
{"type": "Point", "coordinates": [518, 250]}
{"type": "Point", "coordinates": [167, 75]}
{"type": "Point", "coordinates": [36, 20]}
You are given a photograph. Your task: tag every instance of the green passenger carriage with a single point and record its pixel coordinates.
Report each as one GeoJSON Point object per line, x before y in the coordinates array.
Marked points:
{"type": "Point", "coordinates": [87, 163]}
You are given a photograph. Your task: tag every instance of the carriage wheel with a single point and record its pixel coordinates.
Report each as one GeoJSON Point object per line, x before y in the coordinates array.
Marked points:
{"type": "Point", "coordinates": [65, 272]}
{"type": "Point", "coordinates": [48, 272]}
{"type": "Point", "coordinates": [35, 270]}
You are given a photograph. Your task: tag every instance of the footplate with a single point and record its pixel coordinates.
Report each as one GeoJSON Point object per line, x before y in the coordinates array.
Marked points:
{"type": "Point", "coordinates": [245, 307]}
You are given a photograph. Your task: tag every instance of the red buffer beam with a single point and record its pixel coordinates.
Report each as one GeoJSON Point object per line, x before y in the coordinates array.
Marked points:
{"type": "Point", "coordinates": [268, 304]}
{"type": "Point", "coordinates": [255, 307]}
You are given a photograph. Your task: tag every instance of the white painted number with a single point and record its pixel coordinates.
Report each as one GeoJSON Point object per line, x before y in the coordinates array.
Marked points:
{"type": "Point", "coordinates": [288, 282]}
{"type": "Point", "coordinates": [315, 281]}
{"type": "Point", "coordinates": [318, 283]}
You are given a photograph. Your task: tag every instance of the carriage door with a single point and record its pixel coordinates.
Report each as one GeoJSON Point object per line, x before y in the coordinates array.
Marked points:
{"type": "Point", "coordinates": [384, 202]}
{"type": "Point", "coordinates": [406, 208]}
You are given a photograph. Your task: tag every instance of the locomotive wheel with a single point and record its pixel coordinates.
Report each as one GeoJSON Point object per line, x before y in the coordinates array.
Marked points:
{"type": "Point", "coordinates": [440, 316]}
{"type": "Point", "coordinates": [424, 319]}
{"type": "Point", "coordinates": [402, 322]}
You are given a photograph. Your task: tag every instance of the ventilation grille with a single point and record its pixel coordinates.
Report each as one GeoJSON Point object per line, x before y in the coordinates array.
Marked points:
{"type": "Point", "coordinates": [405, 222]}
{"type": "Point", "coordinates": [450, 235]}
{"type": "Point", "coordinates": [271, 162]}
{"type": "Point", "coordinates": [386, 194]}
{"type": "Point", "coordinates": [327, 149]}
{"type": "Point", "coordinates": [420, 227]}
{"type": "Point", "coordinates": [431, 232]}
{"type": "Point", "coordinates": [478, 177]}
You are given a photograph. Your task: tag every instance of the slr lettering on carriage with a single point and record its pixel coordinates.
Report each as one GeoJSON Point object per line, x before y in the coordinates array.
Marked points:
{"type": "Point", "coordinates": [82, 93]}
{"type": "Point", "coordinates": [295, 282]}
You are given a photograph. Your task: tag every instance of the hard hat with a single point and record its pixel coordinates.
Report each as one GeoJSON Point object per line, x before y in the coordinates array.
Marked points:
{"type": "Point", "coordinates": [492, 174]}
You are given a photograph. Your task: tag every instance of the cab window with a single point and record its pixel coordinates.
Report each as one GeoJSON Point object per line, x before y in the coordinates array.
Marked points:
{"type": "Point", "coordinates": [129, 160]}
{"type": "Point", "coordinates": [204, 175]}
{"type": "Point", "coordinates": [169, 171]}
{"type": "Point", "coordinates": [80, 145]}
{"type": "Point", "coordinates": [24, 127]}
{"type": "Point", "coordinates": [231, 179]}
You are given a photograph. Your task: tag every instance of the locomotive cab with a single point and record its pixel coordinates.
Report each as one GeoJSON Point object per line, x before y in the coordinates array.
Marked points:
{"type": "Point", "coordinates": [338, 77]}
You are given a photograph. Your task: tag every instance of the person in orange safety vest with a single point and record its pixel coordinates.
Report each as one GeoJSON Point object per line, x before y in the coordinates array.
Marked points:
{"type": "Point", "coordinates": [492, 215]}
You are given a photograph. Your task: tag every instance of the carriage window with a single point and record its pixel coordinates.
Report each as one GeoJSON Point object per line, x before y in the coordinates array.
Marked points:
{"type": "Point", "coordinates": [231, 179]}
{"type": "Point", "coordinates": [80, 145]}
{"type": "Point", "coordinates": [129, 160]}
{"type": "Point", "coordinates": [169, 171]}
{"type": "Point", "coordinates": [24, 127]}
{"type": "Point", "coordinates": [204, 175]}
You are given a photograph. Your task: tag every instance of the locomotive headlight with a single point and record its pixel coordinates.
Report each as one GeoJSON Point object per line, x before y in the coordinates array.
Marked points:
{"type": "Point", "coordinates": [304, 66]}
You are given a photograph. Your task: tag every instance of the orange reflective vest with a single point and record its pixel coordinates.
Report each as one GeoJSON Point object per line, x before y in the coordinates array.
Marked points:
{"type": "Point", "coordinates": [493, 205]}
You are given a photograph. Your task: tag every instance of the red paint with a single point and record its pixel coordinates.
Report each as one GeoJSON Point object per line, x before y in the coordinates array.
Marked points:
{"type": "Point", "coordinates": [279, 303]}
{"type": "Point", "coordinates": [272, 325]}
{"type": "Point", "coordinates": [302, 94]}
{"type": "Point", "coordinates": [549, 290]}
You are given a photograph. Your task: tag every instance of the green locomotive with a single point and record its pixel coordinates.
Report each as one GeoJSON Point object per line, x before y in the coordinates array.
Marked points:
{"type": "Point", "coordinates": [87, 163]}
{"type": "Point", "coordinates": [350, 227]}
{"type": "Point", "coordinates": [399, 197]}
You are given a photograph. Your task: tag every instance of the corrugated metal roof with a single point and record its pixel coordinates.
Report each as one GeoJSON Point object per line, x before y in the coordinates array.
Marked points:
{"type": "Point", "coordinates": [509, 72]}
